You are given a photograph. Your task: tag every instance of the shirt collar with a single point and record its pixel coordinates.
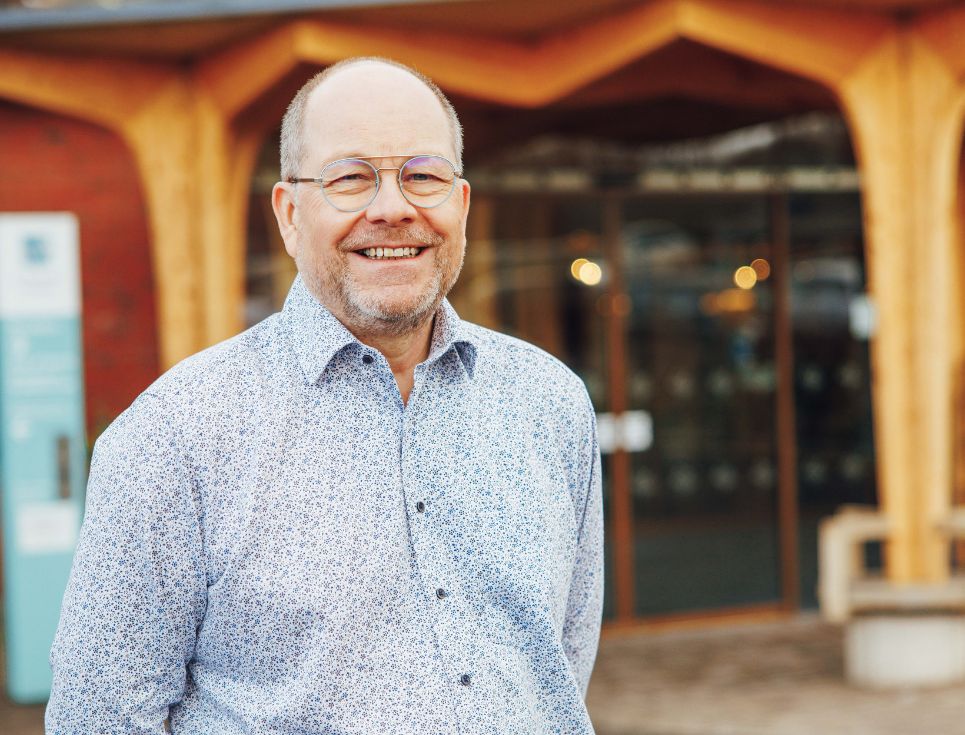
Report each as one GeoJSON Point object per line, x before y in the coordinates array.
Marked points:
{"type": "Point", "coordinates": [449, 333]}
{"type": "Point", "coordinates": [317, 336]}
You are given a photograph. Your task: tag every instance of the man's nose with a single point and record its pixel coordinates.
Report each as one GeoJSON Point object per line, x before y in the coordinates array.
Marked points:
{"type": "Point", "coordinates": [389, 206]}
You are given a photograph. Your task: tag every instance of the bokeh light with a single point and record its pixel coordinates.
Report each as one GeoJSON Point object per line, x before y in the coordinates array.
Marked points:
{"type": "Point", "coordinates": [590, 273]}
{"type": "Point", "coordinates": [745, 277]}
{"type": "Point", "coordinates": [762, 268]}
{"type": "Point", "coordinates": [575, 267]}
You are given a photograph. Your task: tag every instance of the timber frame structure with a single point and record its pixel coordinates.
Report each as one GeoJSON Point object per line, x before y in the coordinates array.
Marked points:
{"type": "Point", "coordinates": [896, 69]}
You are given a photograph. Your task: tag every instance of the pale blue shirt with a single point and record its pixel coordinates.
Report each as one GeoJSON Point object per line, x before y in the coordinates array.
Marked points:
{"type": "Point", "coordinates": [274, 543]}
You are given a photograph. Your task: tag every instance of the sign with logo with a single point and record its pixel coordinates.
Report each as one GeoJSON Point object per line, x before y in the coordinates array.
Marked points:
{"type": "Point", "coordinates": [43, 451]}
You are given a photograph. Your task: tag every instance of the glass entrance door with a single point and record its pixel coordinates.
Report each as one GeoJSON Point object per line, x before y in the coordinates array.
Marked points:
{"type": "Point", "coordinates": [700, 358]}
{"type": "Point", "coordinates": [711, 329]}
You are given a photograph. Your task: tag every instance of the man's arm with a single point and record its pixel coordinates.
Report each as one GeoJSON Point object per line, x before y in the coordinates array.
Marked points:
{"type": "Point", "coordinates": [137, 588]}
{"type": "Point", "coordinates": [581, 629]}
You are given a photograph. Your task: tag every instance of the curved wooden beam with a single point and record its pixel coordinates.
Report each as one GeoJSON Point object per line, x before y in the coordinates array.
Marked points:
{"type": "Point", "coordinates": [535, 75]}
{"type": "Point", "coordinates": [944, 32]}
{"type": "Point", "coordinates": [235, 78]}
{"type": "Point", "coordinates": [98, 90]}
{"type": "Point", "coordinates": [163, 138]}
{"type": "Point", "coordinates": [821, 44]}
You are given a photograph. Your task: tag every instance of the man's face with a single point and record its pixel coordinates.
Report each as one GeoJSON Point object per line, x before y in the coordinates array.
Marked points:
{"type": "Point", "coordinates": [367, 110]}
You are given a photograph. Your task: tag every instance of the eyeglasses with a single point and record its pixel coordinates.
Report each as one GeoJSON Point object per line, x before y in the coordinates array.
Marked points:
{"type": "Point", "coordinates": [351, 184]}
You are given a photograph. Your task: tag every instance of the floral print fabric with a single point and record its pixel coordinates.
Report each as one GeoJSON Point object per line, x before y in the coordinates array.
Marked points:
{"type": "Point", "coordinates": [274, 543]}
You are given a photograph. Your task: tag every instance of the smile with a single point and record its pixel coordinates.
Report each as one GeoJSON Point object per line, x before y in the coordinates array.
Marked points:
{"type": "Point", "coordinates": [383, 253]}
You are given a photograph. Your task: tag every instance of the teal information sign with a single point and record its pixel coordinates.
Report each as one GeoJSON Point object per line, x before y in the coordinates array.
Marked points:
{"type": "Point", "coordinates": [42, 446]}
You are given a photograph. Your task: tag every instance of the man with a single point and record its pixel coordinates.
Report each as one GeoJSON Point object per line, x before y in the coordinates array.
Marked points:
{"type": "Point", "coordinates": [362, 515]}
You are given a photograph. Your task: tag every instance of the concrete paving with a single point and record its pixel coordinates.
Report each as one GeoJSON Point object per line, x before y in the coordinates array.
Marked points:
{"type": "Point", "coordinates": [780, 678]}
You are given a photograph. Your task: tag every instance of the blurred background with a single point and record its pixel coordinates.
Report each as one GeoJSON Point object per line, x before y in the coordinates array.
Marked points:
{"type": "Point", "coordinates": [738, 222]}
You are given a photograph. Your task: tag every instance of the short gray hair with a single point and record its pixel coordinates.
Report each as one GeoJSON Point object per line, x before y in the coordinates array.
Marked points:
{"type": "Point", "coordinates": [293, 123]}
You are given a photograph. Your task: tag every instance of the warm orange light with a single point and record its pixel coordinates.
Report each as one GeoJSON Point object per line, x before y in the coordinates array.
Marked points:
{"type": "Point", "coordinates": [735, 301]}
{"type": "Point", "coordinates": [762, 268]}
{"type": "Point", "coordinates": [745, 277]}
{"type": "Point", "coordinates": [575, 267]}
{"type": "Point", "coordinates": [590, 273]}
{"type": "Point", "coordinates": [728, 301]}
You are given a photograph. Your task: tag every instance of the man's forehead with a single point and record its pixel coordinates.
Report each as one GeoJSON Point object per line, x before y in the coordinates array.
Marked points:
{"type": "Point", "coordinates": [368, 73]}
{"type": "Point", "coordinates": [375, 109]}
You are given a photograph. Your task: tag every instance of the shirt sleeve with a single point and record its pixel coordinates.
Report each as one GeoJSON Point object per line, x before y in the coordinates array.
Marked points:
{"type": "Point", "coordinates": [137, 587]}
{"type": "Point", "coordinates": [584, 609]}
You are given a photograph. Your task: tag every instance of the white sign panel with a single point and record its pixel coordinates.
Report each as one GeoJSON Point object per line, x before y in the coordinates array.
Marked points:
{"type": "Point", "coordinates": [631, 431]}
{"type": "Point", "coordinates": [863, 317]}
{"type": "Point", "coordinates": [44, 528]}
{"type": "Point", "coordinates": [39, 273]}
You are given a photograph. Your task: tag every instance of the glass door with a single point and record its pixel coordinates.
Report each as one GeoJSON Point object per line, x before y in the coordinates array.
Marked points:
{"type": "Point", "coordinates": [701, 360]}
{"type": "Point", "coordinates": [711, 330]}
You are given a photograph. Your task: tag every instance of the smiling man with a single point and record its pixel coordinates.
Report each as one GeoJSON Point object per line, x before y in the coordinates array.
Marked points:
{"type": "Point", "coordinates": [362, 515]}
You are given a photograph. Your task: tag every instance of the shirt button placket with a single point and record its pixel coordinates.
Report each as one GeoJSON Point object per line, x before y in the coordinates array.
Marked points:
{"type": "Point", "coordinates": [432, 552]}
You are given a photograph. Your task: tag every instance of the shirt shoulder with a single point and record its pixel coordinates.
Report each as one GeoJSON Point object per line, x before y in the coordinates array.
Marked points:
{"type": "Point", "coordinates": [232, 368]}
{"type": "Point", "coordinates": [511, 365]}
{"type": "Point", "coordinates": [214, 387]}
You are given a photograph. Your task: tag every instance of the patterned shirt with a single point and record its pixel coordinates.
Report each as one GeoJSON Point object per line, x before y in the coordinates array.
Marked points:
{"type": "Point", "coordinates": [275, 543]}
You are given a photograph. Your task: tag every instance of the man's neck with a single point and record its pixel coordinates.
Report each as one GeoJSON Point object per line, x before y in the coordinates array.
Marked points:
{"type": "Point", "coordinates": [404, 352]}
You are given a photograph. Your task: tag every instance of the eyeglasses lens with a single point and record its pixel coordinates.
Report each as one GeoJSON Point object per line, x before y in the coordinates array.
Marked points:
{"type": "Point", "coordinates": [427, 180]}
{"type": "Point", "coordinates": [351, 184]}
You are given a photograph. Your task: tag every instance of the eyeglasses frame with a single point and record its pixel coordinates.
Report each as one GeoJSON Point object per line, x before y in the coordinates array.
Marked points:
{"type": "Point", "coordinates": [457, 174]}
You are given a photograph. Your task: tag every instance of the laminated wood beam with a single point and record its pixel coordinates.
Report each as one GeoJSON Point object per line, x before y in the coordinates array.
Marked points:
{"type": "Point", "coordinates": [99, 90]}
{"type": "Point", "coordinates": [902, 107]}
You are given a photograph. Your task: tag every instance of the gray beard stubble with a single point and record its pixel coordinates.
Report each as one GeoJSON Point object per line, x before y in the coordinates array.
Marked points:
{"type": "Point", "coordinates": [374, 317]}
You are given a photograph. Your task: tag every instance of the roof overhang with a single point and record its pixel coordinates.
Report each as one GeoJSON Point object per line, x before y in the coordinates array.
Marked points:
{"type": "Point", "coordinates": [51, 15]}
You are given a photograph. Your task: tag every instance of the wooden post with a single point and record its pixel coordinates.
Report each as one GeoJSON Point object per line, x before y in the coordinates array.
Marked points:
{"type": "Point", "coordinates": [786, 423]}
{"type": "Point", "coordinates": [162, 138]}
{"type": "Point", "coordinates": [622, 541]}
{"type": "Point", "coordinates": [898, 103]}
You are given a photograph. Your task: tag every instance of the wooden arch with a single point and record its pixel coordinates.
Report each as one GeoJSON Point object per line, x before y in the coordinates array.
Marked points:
{"type": "Point", "coordinates": [901, 86]}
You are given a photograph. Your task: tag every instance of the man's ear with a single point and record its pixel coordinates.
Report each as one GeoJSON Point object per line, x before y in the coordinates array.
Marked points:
{"type": "Point", "coordinates": [463, 190]}
{"type": "Point", "coordinates": [284, 205]}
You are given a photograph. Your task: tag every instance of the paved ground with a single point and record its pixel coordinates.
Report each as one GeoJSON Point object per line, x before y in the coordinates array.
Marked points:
{"type": "Point", "coordinates": [780, 678]}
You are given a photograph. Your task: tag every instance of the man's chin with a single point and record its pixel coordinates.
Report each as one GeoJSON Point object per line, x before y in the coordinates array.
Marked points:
{"type": "Point", "coordinates": [394, 317]}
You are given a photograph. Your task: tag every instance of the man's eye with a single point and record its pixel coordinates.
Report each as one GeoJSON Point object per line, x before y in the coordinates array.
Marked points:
{"type": "Point", "coordinates": [420, 177]}
{"type": "Point", "coordinates": [350, 179]}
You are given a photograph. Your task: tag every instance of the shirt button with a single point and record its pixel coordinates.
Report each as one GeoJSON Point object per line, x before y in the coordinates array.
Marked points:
{"type": "Point", "coordinates": [420, 506]}
{"type": "Point", "coordinates": [368, 359]}
{"type": "Point", "coordinates": [465, 680]}
{"type": "Point", "coordinates": [441, 593]}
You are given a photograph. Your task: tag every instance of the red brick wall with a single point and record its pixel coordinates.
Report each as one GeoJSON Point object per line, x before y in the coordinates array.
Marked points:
{"type": "Point", "coordinates": [54, 163]}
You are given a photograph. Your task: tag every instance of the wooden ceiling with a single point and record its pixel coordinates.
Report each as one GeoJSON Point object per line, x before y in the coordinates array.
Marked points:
{"type": "Point", "coordinates": [684, 90]}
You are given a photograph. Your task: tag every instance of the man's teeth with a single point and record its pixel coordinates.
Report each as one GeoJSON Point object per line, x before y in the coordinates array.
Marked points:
{"type": "Point", "coordinates": [392, 252]}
